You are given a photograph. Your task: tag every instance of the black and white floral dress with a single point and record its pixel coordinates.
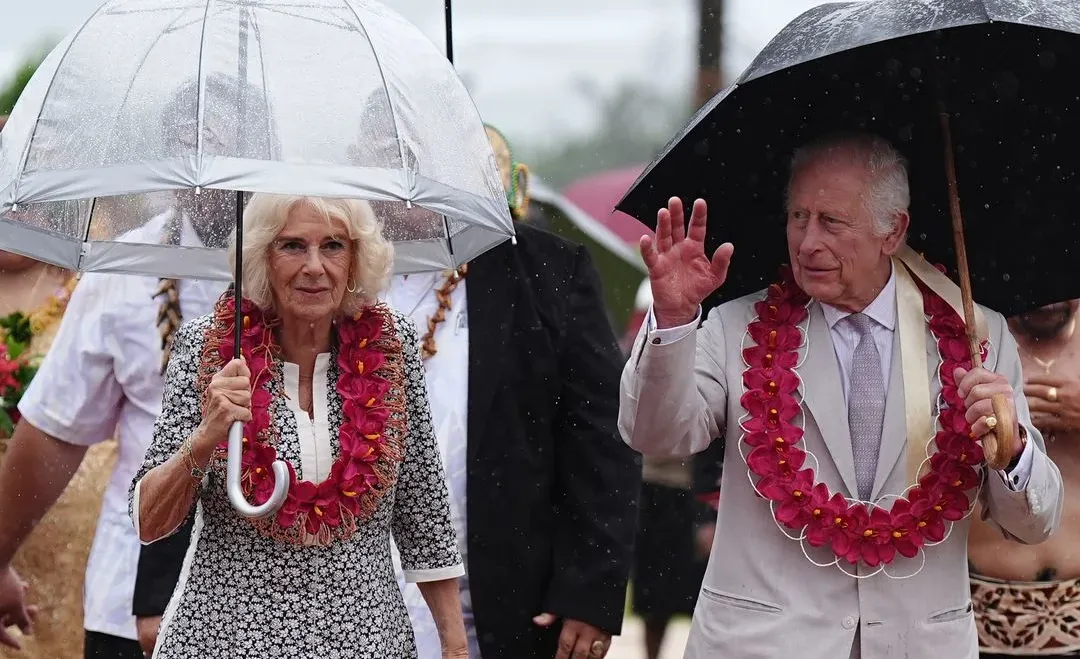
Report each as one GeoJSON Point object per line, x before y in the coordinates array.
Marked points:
{"type": "Point", "coordinates": [242, 595]}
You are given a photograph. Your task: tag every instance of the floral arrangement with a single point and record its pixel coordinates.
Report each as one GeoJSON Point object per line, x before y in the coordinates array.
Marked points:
{"type": "Point", "coordinates": [17, 367]}
{"type": "Point", "coordinates": [370, 383]}
{"type": "Point", "coordinates": [855, 531]}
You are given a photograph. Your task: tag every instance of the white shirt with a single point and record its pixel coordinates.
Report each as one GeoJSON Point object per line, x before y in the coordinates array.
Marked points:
{"type": "Point", "coordinates": [102, 379]}
{"type": "Point", "coordinates": [447, 375]}
{"type": "Point", "coordinates": [882, 310]}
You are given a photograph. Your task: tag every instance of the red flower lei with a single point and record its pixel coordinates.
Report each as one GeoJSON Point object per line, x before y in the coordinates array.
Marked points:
{"type": "Point", "coordinates": [370, 384]}
{"type": "Point", "coordinates": [854, 531]}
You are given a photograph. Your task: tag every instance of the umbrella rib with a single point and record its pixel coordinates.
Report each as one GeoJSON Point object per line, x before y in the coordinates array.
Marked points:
{"type": "Point", "coordinates": [265, 85]}
{"type": "Point", "coordinates": [341, 26]}
{"type": "Point", "coordinates": [142, 61]}
{"type": "Point", "coordinates": [386, 87]}
{"type": "Point", "coordinates": [200, 94]}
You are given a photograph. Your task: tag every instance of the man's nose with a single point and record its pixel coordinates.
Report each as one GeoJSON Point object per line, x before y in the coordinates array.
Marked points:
{"type": "Point", "coordinates": [811, 238]}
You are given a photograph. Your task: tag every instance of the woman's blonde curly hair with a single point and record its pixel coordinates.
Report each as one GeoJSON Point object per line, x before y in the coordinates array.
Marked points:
{"type": "Point", "coordinates": [266, 215]}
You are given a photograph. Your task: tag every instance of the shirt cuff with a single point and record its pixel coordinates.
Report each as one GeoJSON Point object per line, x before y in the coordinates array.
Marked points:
{"type": "Point", "coordinates": [670, 335]}
{"type": "Point", "coordinates": [435, 574]}
{"type": "Point", "coordinates": [1018, 478]}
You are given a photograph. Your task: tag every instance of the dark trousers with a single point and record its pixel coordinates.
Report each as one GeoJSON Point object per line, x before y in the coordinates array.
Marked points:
{"type": "Point", "coordinates": [105, 646]}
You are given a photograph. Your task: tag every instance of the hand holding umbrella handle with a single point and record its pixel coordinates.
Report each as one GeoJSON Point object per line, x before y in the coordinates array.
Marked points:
{"type": "Point", "coordinates": [997, 444]}
{"type": "Point", "coordinates": [232, 476]}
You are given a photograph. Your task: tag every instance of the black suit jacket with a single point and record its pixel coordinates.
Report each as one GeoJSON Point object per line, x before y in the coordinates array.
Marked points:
{"type": "Point", "coordinates": [552, 489]}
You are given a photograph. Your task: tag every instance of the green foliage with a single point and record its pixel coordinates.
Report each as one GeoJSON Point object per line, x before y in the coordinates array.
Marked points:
{"type": "Point", "coordinates": [13, 87]}
{"type": "Point", "coordinates": [635, 123]}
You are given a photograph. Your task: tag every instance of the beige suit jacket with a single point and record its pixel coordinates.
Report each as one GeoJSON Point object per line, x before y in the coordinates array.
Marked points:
{"type": "Point", "coordinates": [761, 598]}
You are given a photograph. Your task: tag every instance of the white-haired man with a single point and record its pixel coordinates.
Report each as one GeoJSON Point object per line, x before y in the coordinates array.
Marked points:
{"type": "Point", "coordinates": [829, 384]}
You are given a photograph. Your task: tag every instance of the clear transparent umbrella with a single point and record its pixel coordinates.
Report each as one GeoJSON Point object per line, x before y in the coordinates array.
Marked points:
{"type": "Point", "coordinates": [186, 104]}
{"type": "Point", "coordinates": [318, 97]}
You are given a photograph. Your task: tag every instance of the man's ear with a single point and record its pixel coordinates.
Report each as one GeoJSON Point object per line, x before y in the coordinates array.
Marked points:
{"type": "Point", "coordinates": [895, 238]}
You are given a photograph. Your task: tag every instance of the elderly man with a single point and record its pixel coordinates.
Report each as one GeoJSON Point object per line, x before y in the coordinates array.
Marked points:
{"type": "Point", "coordinates": [813, 382]}
{"type": "Point", "coordinates": [1027, 599]}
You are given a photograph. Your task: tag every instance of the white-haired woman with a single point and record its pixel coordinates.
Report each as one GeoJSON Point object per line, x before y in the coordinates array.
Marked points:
{"type": "Point", "coordinates": [332, 383]}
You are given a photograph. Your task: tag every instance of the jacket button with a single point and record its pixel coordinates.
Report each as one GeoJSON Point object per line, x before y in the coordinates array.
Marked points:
{"type": "Point", "coordinates": [849, 622]}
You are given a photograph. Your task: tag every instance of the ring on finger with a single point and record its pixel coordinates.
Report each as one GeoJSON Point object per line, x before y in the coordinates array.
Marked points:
{"type": "Point", "coordinates": [991, 422]}
{"type": "Point", "coordinates": [1052, 395]}
{"type": "Point", "coordinates": [597, 649]}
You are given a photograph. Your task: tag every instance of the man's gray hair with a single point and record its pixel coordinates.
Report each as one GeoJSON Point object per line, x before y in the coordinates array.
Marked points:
{"type": "Point", "coordinates": [887, 195]}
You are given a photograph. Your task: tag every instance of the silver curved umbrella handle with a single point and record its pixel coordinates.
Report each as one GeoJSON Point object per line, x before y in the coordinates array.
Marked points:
{"type": "Point", "coordinates": [232, 479]}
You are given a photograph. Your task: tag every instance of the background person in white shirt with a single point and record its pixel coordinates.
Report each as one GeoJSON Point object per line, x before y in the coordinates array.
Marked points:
{"type": "Point", "coordinates": [101, 379]}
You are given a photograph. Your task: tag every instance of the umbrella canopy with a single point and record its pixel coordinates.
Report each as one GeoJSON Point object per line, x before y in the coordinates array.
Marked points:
{"type": "Point", "coordinates": [597, 194]}
{"type": "Point", "coordinates": [1003, 70]}
{"type": "Point", "coordinates": [334, 98]}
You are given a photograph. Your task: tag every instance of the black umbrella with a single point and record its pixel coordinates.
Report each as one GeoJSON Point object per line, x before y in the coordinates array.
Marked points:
{"type": "Point", "coordinates": [1008, 74]}
{"type": "Point", "coordinates": [979, 92]}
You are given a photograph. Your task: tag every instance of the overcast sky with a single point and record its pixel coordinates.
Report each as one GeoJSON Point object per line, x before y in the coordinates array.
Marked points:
{"type": "Point", "coordinates": [526, 63]}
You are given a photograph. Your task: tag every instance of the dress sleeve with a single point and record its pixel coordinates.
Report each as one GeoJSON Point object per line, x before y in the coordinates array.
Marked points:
{"type": "Point", "coordinates": [181, 409]}
{"type": "Point", "coordinates": [421, 523]}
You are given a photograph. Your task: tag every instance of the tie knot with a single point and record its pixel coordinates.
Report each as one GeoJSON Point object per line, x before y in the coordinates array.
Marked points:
{"type": "Point", "coordinates": [861, 322]}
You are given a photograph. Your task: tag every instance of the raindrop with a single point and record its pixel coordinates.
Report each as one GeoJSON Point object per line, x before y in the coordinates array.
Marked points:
{"type": "Point", "coordinates": [1005, 277]}
{"type": "Point", "coordinates": [922, 236]}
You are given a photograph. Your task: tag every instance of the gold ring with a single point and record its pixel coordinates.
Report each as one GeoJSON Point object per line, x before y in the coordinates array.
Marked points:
{"type": "Point", "coordinates": [991, 422]}
{"type": "Point", "coordinates": [1052, 395]}
{"type": "Point", "coordinates": [597, 648]}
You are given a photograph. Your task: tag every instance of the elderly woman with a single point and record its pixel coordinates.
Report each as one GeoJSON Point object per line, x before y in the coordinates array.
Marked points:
{"type": "Point", "coordinates": [332, 383]}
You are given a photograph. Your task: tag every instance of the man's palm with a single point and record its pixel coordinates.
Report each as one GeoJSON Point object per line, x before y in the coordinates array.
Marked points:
{"type": "Point", "coordinates": [680, 273]}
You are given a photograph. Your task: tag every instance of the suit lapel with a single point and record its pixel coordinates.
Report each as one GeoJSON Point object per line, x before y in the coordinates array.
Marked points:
{"type": "Point", "coordinates": [823, 395]}
{"type": "Point", "coordinates": [894, 439]}
{"type": "Point", "coordinates": [490, 301]}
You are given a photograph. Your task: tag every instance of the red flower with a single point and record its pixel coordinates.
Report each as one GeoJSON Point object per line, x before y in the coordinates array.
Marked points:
{"type": "Point", "coordinates": [949, 325]}
{"type": "Point", "coordinates": [780, 313]}
{"type": "Point", "coordinates": [954, 349]}
{"type": "Point", "coordinates": [906, 538]}
{"type": "Point", "coordinates": [959, 448]}
{"type": "Point", "coordinates": [777, 337]}
{"type": "Point", "coordinates": [792, 496]}
{"type": "Point", "coordinates": [256, 465]}
{"type": "Point", "coordinates": [361, 330]}
{"type": "Point", "coordinates": [865, 536]}
{"type": "Point", "coordinates": [826, 513]}
{"type": "Point", "coordinates": [8, 368]}
{"type": "Point", "coordinates": [299, 502]}
{"type": "Point", "coordinates": [779, 461]}
{"type": "Point", "coordinates": [758, 435]}
{"type": "Point", "coordinates": [772, 381]}
{"type": "Point", "coordinates": [360, 362]}
{"type": "Point", "coordinates": [765, 356]}
{"type": "Point", "coordinates": [365, 392]}
{"type": "Point", "coordinates": [325, 508]}
{"type": "Point", "coordinates": [947, 474]}
{"type": "Point", "coordinates": [774, 411]}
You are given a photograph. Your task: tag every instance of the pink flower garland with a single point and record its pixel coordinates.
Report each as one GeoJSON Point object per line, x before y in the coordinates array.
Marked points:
{"type": "Point", "coordinates": [854, 532]}
{"type": "Point", "coordinates": [317, 513]}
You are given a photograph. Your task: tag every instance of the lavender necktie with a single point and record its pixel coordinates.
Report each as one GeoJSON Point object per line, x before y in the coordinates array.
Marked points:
{"type": "Point", "coordinates": [866, 405]}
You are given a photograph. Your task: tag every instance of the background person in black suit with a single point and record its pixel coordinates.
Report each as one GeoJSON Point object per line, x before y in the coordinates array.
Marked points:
{"type": "Point", "coordinates": [550, 490]}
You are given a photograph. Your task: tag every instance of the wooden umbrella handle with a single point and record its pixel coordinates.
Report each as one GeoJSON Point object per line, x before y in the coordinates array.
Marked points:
{"type": "Point", "coordinates": [997, 443]}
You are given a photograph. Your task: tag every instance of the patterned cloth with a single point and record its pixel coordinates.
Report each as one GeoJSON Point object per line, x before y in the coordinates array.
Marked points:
{"type": "Point", "coordinates": [242, 595]}
{"type": "Point", "coordinates": [866, 409]}
{"type": "Point", "coordinates": [1027, 619]}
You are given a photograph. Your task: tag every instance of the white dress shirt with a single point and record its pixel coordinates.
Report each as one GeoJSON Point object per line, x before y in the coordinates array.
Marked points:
{"type": "Point", "coordinates": [447, 374]}
{"type": "Point", "coordinates": [882, 310]}
{"type": "Point", "coordinates": [101, 379]}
